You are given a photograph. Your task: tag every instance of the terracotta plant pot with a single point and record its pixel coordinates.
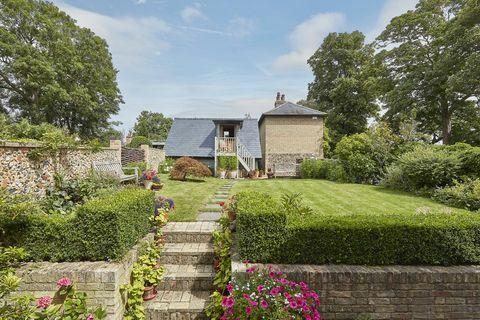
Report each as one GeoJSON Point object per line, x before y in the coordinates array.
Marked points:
{"type": "Point", "coordinates": [149, 293]}
{"type": "Point", "coordinates": [232, 215]}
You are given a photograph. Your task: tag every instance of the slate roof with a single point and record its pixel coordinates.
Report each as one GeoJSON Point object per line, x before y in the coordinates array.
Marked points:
{"type": "Point", "coordinates": [292, 109]}
{"type": "Point", "coordinates": [195, 137]}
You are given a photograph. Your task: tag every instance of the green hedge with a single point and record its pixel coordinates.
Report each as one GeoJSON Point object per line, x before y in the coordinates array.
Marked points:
{"type": "Point", "coordinates": [423, 238]}
{"type": "Point", "coordinates": [103, 228]}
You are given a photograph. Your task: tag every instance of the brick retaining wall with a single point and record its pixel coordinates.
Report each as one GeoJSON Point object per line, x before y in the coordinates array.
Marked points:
{"type": "Point", "coordinates": [100, 280]}
{"type": "Point", "coordinates": [389, 292]}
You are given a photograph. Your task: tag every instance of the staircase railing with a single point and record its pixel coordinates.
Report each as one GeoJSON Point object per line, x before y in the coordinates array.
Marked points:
{"type": "Point", "coordinates": [244, 156]}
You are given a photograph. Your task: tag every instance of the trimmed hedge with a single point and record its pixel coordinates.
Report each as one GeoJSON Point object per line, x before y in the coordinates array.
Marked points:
{"type": "Point", "coordinates": [103, 228]}
{"type": "Point", "coordinates": [423, 238]}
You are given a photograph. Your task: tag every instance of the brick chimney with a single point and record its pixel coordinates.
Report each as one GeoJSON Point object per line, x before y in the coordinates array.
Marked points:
{"type": "Point", "coordinates": [279, 100]}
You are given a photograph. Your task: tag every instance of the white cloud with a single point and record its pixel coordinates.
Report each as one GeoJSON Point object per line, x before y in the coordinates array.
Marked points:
{"type": "Point", "coordinates": [390, 9]}
{"type": "Point", "coordinates": [131, 40]}
{"type": "Point", "coordinates": [140, 1]}
{"type": "Point", "coordinates": [192, 13]}
{"type": "Point", "coordinates": [240, 27]}
{"type": "Point", "coordinates": [306, 38]}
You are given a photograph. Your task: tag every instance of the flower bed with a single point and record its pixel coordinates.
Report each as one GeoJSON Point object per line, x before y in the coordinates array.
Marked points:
{"type": "Point", "coordinates": [267, 233]}
{"type": "Point", "coordinates": [103, 228]}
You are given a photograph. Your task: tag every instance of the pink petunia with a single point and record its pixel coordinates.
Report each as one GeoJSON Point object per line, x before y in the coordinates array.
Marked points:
{"type": "Point", "coordinates": [260, 288]}
{"type": "Point", "coordinates": [228, 302]}
{"type": "Point", "coordinates": [230, 287]}
{"type": "Point", "coordinates": [275, 291]}
{"type": "Point", "coordinates": [248, 311]}
{"type": "Point", "coordinates": [64, 282]}
{"type": "Point", "coordinates": [44, 302]}
{"type": "Point", "coordinates": [293, 304]}
{"type": "Point", "coordinates": [264, 304]}
{"type": "Point", "coordinates": [90, 317]}
{"type": "Point", "coordinates": [251, 270]}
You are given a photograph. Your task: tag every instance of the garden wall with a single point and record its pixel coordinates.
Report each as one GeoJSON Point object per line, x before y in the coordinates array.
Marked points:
{"type": "Point", "coordinates": [100, 280]}
{"type": "Point", "coordinates": [21, 175]}
{"type": "Point", "coordinates": [390, 292]}
{"type": "Point", "coordinates": [130, 155]}
{"type": "Point", "coordinates": [153, 156]}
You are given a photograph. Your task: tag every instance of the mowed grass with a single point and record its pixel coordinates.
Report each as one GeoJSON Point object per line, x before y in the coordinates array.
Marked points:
{"type": "Point", "coordinates": [190, 196]}
{"type": "Point", "coordinates": [326, 197]}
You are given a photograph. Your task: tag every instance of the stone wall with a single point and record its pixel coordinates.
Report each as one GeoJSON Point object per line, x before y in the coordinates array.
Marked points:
{"type": "Point", "coordinates": [153, 156]}
{"type": "Point", "coordinates": [287, 165]}
{"type": "Point", "coordinates": [100, 280]}
{"type": "Point", "coordinates": [130, 155]}
{"type": "Point", "coordinates": [21, 175]}
{"type": "Point", "coordinates": [390, 292]}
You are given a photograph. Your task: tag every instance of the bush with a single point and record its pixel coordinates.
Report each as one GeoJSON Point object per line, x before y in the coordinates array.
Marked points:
{"type": "Point", "coordinates": [323, 169]}
{"type": "Point", "coordinates": [425, 168]}
{"type": "Point", "coordinates": [470, 159]}
{"type": "Point", "coordinates": [186, 166]}
{"type": "Point", "coordinates": [137, 141]}
{"type": "Point", "coordinates": [142, 166]}
{"type": "Point", "coordinates": [228, 163]}
{"type": "Point", "coordinates": [425, 237]}
{"type": "Point", "coordinates": [103, 228]}
{"type": "Point", "coordinates": [166, 165]}
{"type": "Point", "coordinates": [260, 226]}
{"type": "Point", "coordinates": [463, 195]}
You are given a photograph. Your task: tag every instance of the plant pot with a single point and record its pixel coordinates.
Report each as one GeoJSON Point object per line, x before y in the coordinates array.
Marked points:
{"type": "Point", "coordinates": [233, 174]}
{"type": "Point", "coordinates": [148, 184]}
{"type": "Point", "coordinates": [216, 264]}
{"type": "Point", "coordinates": [270, 175]}
{"type": "Point", "coordinates": [149, 293]}
{"type": "Point", "coordinates": [222, 174]}
{"type": "Point", "coordinates": [232, 215]}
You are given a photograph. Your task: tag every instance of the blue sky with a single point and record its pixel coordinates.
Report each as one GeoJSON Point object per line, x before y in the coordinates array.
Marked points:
{"type": "Point", "coordinates": [220, 58]}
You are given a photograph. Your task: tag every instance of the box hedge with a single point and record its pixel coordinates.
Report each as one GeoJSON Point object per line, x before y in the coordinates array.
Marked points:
{"type": "Point", "coordinates": [103, 228]}
{"type": "Point", "coordinates": [267, 234]}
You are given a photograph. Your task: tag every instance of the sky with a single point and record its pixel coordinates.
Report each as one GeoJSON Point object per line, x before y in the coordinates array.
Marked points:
{"type": "Point", "coordinates": [219, 58]}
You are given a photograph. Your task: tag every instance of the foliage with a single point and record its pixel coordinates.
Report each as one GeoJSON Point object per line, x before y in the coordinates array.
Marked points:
{"type": "Point", "coordinates": [424, 169]}
{"type": "Point", "coordinates": [137, 141]}
{"type": "Point", "coordinates": [266, 294]}
{"type": "Point", "coordinates": [166, 165]}
{"type": "Point", "coordinates": [102, 228]}
{"type": "Point", "coordinates": [431, 55]}
{"type": "Point", "coordinates": [228, 163]}
{"type": "Point", "coordinates": [470, 159]}
{"type": "Point", "coordinates": [260, 226]}
{"type": "Point", "coordinates": [186, 166]}
{"type": "Point", "coordinates": [293, 204]}
{"type": "Point", "coordinates": [142, 167]}
{"type": "Point", "coordinates": [463, 195]}
{"type": "Point", "coordinates": [345, 83]}
{"type": "Point", "coordinates": [42, 50]}
{"type": "Point", "coordinates": [152, 125]}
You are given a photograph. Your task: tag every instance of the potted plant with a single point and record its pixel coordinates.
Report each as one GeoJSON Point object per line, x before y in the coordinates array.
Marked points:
{"type": "Point", "coordinates": [222, 173]}
{"type": "Point", "coordinates": [150, 177]}
{"type": "Point", "coordinates": [269, 173]}
{"type": "Point", "coordinates": [152, 272]}
{"type": "Point", "coordinates": [232, 166]}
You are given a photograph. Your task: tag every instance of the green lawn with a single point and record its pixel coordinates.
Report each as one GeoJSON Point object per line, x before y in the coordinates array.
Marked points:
{"type": "Point", "coordinates": [340, 198]}
{"type": "Point", "coordinates": [190, 196]}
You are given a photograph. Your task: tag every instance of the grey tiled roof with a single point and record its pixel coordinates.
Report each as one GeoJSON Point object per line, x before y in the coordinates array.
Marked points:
{"type": "Point", "coordinates": [195, 137]}
{"type": "Point", "coordinates": [292, 109]}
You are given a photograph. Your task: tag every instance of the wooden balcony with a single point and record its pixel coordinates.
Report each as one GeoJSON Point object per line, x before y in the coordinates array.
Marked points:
{"type": "Point", "coordinates": [226, 146]}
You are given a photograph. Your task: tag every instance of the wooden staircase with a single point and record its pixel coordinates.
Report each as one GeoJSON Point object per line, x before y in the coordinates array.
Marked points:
{"type": "Point", "coordinates": [244, 156]}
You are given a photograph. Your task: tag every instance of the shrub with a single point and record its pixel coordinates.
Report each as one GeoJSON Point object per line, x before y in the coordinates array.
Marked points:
{"type": "Point", "coordinates": [470, 159]}
{"type": "Point", "coordinates": [166, 165]}
{"type": "Point", "coordinates": [103, 228]}
{"type": "Point", "coordinates": [260, 226]}
{"type": "Point", "coordinates": [424, 169]}
{"type": "Point", "coordinates": [186, 166]}
{"type": "Point", "coordinates": [142, 166]}
{"type": "Point", "coordinates": [228, 163]}
{"type": "Point", "coordinates": [329, 169]}
{"type": "Point", "coordinates": [137, 141]}
{"type": "Point", "coordinates": [463, 195]}
{"type": "Point", "coordinates": [429, 237]}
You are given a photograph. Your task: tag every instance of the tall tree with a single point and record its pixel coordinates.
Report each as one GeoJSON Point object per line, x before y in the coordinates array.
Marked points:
{"type": "Point", "coordinates": [432, 55]}
{"type": "Point", "coordinates": [53, 71]}
{"type": "Point", "coordinates": [345, 83]}
{"type": "Point", "coordinates": [152, 125]}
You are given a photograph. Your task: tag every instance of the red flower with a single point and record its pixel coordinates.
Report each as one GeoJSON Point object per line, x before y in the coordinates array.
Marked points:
{"type": "Point", "coordinates": [221, 203]}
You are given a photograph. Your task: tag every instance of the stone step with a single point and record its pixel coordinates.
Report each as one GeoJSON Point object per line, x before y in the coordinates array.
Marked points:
{"type": "Point", "coordinates": [187, 253]}
{"type": "Point", "coordinates": [187, 305]}
{"type": "Point", "coordinates": [197, 232]}
{"type": "Point", "coordinates": [209, 216]}
{"type": "Point", "coordinates": [187, 278]}
{"type": "Point", "coordinates": [213, 206]}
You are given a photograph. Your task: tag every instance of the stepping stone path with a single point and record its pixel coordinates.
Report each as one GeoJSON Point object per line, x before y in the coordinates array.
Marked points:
{"type": "Point", "coordinates": [188, 259]}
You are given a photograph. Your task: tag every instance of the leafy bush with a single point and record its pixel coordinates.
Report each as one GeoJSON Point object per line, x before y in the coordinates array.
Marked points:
{"type": "Point", "coordinates": [463, 195]}
{"type": "Point", "coordinates": [137, 141]}
{"type": "Point", "coordinates": [260, 226]}
{"type": "Point", "coordinates": [424, 237]}
{"type": "Point", "coordinates": [470, 159]}
{"type": "Point", "coordinates": [228, 163]}
{"type": "Point", "coordinates": [166, 165]}
{"type": "Point", "coordinates": [142, 166]}
{"type": "Point", "coordinates": [329, 169]}
{"type": "Point", "coordinates": [186, 166]}
{"type": "Point", "coordinates": [103, 228]}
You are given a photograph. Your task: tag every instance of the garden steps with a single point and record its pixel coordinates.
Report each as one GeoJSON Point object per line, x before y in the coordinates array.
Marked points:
{"type": "Point", "coordinates": [186, 305]}
{"type": "Point", "coordinates": [188, 277]}
{"type": "Point", "coordinates": [184, 232]}
{"type": "Point", "coordinates": [187, 253]}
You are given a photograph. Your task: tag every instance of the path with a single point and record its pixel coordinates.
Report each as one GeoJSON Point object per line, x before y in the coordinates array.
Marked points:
{"type": "Point", "coordinates": [188, 257]}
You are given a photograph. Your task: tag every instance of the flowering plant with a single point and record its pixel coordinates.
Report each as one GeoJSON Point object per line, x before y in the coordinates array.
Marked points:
{"type": "Point", "coordinates": [266, 294]}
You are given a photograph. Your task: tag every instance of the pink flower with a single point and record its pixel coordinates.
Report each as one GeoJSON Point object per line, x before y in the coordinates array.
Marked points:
{"type": "Point", "coordinates": [64, 282]}
{"type": "Point", "coordinates": [275, 291]}
{"type": "Point", "coordinates": [228, 302]}
{"type": "Point", "coordinates": [253, 303]}
{"type": "Point", "coordinates": [264, 304]}
{"type": "Point", "coordinates": [293, 304]}
{"type": "Point", "coordinates": [90, 317]}
{"type": "Point", "coordinates": [44, 302]}
{"type": "Point", "coordinates": [246, 296]}
{"type": "Point", "coordinates": [251, 270]}
{"type": "Point", "coordinates": [230, 287]}
{"type": "Point", "coordinates": [284, 281]}
{"type": "Point", "coordinates": [271, 274]}
{"type": "Point", "coordinates": [303, 285]}
{"type": "Point", "coordinates": [248, 311]}
{"type": "Point", "coordinates": [260, 288]}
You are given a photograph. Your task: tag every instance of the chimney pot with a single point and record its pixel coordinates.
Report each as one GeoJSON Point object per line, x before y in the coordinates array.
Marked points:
{"type": "Point", "coordinates": [283, 97]}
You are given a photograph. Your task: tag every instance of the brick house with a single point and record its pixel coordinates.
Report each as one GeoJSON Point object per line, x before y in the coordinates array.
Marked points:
{"type": "Point", "coordinates": [279, 140]}
{"type": "Point", "coordinates": [290, 133]}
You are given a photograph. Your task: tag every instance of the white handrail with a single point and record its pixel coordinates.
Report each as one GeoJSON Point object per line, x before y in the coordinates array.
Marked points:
{"type": "Point", "coordinates": [245, 156]}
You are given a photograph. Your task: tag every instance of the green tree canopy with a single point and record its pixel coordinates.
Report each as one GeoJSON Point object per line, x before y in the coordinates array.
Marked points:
{"type": "Point", "coordinates": [152, 125]}
{"type": "Point", "coordinates": [53, 71]}
{"type": "Point", "coordinates": [432, 55]}
{"type": "Point", "coordinates": [345, 83]}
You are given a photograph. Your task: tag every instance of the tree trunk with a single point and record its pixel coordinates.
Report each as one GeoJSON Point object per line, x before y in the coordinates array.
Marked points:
{"type": "Point", "coordinates": [446, 124]}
